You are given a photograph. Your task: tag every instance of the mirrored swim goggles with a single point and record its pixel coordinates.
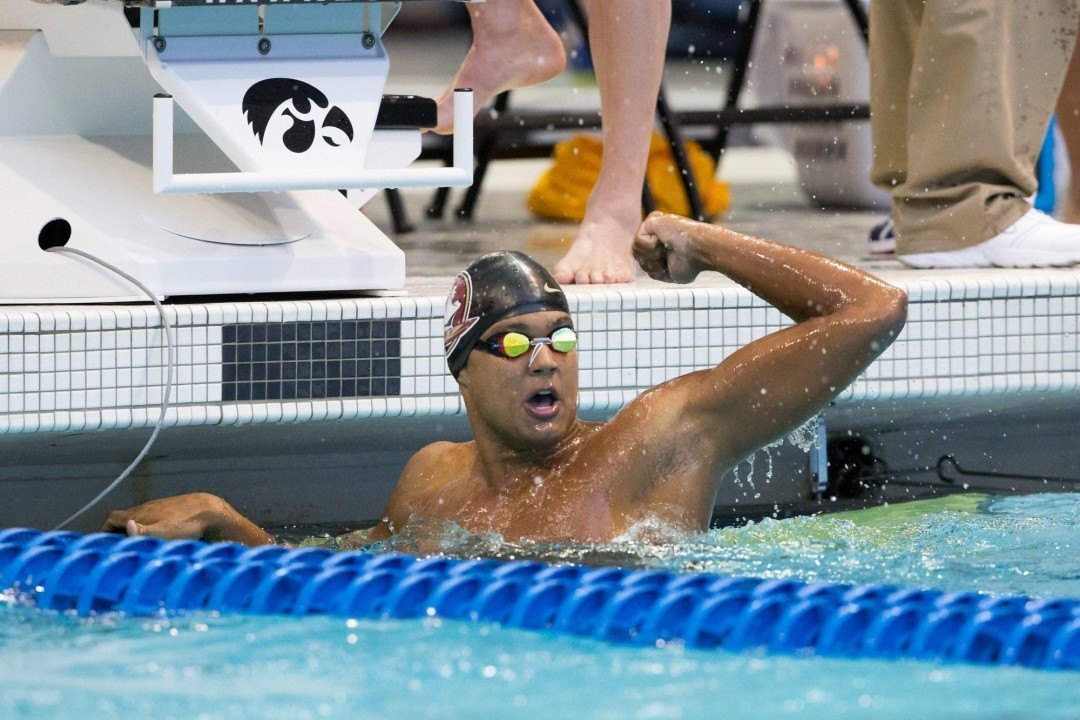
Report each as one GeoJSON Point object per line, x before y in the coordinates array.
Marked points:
{"type": "Point", "coordinates": [515, 344]}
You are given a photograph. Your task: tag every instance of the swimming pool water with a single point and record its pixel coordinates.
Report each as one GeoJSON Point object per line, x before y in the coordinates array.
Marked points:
{"type": "Point", "coordinates": [226, 667]}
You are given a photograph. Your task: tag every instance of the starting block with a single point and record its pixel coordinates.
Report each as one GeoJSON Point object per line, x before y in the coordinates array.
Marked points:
{"type": "Point", "coordinates": [206, 148]}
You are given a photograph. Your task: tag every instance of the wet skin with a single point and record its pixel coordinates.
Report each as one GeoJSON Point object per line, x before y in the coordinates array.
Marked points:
{"type": "Point", "coordinates": [534, 470]}
{"type": "Point", "coordinates": [540, 472]}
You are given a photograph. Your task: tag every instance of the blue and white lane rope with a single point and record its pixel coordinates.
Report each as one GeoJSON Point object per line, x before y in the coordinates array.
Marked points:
{"type": "Point", "coordinates": [67, 571]}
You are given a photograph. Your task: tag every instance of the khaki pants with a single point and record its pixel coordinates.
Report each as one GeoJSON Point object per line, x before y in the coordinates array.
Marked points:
{"type": "Point", "coordinates": [961, 94]}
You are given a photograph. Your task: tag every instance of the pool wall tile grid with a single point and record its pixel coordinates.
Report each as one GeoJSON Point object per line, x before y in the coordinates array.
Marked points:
{"type": "Point", "coordinates": [76, 368]}
{"type": "Point", "coordinates": [310, 360]}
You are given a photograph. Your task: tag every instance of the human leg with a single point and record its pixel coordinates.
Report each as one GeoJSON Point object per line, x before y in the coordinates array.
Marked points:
{"type": "Point", "coordinates": [986, 74]}
{"type": "Point", "coordinates": [627, 39]}
{"type": "Point", "coordinates": [893, 25]}
{"type": "Point", "coordinates": [1068, 114]}
{"type": "Point", "coordinates": [513, 46]}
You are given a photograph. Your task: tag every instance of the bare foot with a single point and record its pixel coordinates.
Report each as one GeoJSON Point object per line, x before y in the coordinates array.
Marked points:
{"type": "Point", "coordinates": [504, 56]}
{"type": "Point", "coordinates": [601, 251]}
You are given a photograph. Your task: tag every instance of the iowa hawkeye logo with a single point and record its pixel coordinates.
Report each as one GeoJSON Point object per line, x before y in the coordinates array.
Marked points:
{"type": "Point", "coordinates": [296, 112]}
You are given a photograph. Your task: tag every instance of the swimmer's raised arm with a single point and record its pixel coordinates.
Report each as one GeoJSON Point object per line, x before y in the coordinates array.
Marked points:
{"type": "Point", "coordinates": [844, 319]}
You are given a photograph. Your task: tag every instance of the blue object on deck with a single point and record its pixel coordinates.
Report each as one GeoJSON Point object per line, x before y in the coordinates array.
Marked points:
{"type": "Point", "coordinates": [99, 573]}
{"type": "Point", "coordinates": [1046, 195]}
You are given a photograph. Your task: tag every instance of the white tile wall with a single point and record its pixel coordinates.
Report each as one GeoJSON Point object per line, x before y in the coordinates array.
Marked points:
{"type": "Point", "coordinates": [77, 368]}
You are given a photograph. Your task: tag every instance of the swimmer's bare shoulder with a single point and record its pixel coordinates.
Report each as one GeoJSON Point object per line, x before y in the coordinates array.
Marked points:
{"type": "Point", "coordinates": [428, 470]}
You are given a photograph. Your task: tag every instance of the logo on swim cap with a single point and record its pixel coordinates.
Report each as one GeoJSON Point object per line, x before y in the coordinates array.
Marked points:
{"type": "Point", "coordinates": [458, 318]}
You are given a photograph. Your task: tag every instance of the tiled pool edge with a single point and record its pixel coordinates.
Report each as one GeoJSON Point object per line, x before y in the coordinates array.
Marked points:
{"type": "Point", "coordinates": [71, 369]}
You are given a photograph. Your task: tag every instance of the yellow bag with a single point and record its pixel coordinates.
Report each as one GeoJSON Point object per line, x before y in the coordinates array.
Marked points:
{"type": "Point", "coordinates": [563, 189]}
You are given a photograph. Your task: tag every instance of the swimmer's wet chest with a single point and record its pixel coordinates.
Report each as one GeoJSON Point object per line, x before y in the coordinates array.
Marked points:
{"type": "Point", "coordinates": [558, 505]}
{"type": "Point", "coordinates": [594, 487]}
{"type": "Point", "coordinates": [546, 516]}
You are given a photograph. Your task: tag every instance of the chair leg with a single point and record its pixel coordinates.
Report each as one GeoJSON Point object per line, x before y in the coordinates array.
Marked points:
{"type": "Point", "coordinates": [673, 131]}
{"type": "Point", "coordinates": [437, 206]}
{"type": "Point", "coordinates": [398, 214]}
{"type": "Point", "coordinates": [862, 22]}
{"type": "Point", "coordinates": [488, 142]}
{"type": "Point", "coordinates": [738, 79]}
{"type": "Point", "coordinates": [648, 202]}
{"type": "Point", "coordinates": [578, 15]}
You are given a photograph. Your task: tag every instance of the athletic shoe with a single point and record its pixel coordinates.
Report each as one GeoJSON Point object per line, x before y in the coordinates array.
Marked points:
{"type": "Point", "coordinates": [883, 238]}
{"type": "Point", "coordinates": [1035, 240]}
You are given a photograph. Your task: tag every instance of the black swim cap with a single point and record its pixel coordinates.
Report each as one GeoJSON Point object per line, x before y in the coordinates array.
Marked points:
{"type": "Point", "coordinates": [494, 287]}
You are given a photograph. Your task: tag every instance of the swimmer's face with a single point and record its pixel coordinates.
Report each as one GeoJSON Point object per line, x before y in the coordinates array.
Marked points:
{"type": "Point", "coordinates": [525, 405]}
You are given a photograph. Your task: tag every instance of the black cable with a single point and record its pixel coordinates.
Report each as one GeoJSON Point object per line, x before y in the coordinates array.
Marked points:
{"type": "Point", "coordinates": [950, 460]}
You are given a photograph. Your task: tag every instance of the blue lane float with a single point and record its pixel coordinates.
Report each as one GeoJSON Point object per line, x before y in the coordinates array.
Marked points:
{"type": "Point", "coordinates": [141, 576]}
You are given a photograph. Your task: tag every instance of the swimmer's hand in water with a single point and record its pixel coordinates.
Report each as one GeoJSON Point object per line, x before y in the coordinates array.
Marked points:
{"type": "Point", "coordinates": [196, 516]}
{"type": "Point", "coordinates": [663, 247]}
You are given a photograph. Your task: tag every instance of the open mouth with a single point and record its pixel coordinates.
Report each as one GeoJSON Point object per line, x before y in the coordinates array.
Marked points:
{"type": "Point", "coordinates": [544, 403]}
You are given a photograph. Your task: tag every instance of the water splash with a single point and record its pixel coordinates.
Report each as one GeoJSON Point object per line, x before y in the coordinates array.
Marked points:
{"type": "Point", "coordinates": [1006, 545]}
{"type": "Point", "coordinates": [805, 436]}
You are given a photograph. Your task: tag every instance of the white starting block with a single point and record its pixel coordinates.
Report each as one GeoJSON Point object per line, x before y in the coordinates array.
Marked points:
{"type": "Point", "coordinates": [282, 107]}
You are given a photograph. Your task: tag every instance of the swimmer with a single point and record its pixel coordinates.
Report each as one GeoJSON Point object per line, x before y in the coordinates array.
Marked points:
{"type": "Point", "coordinates": [534, 470]}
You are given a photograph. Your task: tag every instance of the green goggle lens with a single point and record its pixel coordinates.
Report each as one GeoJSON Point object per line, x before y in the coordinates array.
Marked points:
{"type": "Point", "coordinates": [564, 339]}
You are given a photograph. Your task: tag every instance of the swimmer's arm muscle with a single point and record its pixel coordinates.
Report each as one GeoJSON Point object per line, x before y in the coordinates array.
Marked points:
{"type": "Point", "coordinates": [844, 319]}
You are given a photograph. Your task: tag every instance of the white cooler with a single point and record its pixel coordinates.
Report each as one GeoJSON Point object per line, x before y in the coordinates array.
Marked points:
{"type": "Point", "coordinates": [810, 52]}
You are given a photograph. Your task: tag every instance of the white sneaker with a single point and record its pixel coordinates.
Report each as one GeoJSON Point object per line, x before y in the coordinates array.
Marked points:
{"type": "Point", "coordinates": [1035, 240]}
